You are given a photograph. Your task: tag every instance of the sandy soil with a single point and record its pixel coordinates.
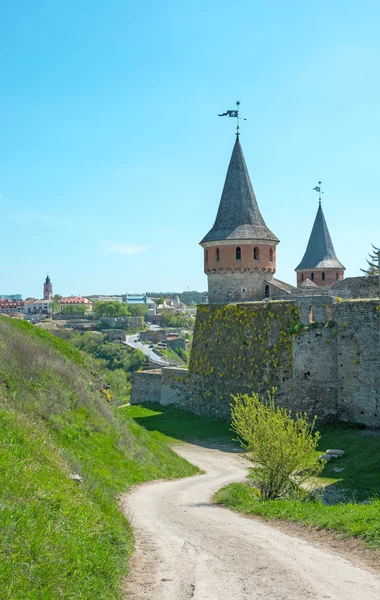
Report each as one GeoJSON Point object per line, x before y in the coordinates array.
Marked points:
{"type": "Point", "coordinates": [188, 548]}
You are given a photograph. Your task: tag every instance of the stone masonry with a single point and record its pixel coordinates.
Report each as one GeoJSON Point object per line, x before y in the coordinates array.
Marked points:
{"type": "Point", "coordinates": [322, 355]}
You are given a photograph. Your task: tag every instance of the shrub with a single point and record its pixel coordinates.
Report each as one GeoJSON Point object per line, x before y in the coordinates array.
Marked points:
{"type": "Point", "coordinates": [282, 447]}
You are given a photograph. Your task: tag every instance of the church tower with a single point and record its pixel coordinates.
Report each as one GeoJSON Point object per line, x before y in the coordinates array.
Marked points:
{"type": "Point", "coordinates": [239, 250]}
{"type": "Point", "coordinates": [48, 289]}
{"type": "Point", "coordinates": [320, 263]}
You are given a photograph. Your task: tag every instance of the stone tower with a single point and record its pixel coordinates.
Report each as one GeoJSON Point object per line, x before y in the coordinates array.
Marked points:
{"type": "Point", "coordinates": [320, 263]}
{"type": "Point", "coordinates": [239, 250]}
{"type": "Point", "coordinates": [48, 289]}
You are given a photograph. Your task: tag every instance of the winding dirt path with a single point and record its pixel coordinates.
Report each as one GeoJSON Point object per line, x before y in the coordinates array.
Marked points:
{"type": "Point", "coordinates": [188, 548]}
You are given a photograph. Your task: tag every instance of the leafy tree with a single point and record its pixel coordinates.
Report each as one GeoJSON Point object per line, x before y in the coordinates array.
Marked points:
{"type": "Point", "coordinates": [120, 385]}
{"type": "Point", "coordinates": [282, 447]}
{"type": "Point", "coordinates": [373, 263]}
{"type": "Point", "coordinates": [191, 297]}
{"type": "Point", "coordinates": [137, 310]}
{"type": "Point", "coordinates": [74, 309]}
{"type": "Point", "coordinates": [103, 308]}
{"type": "Point", "coordinates": [55, 306]}
{"type": "Point", "coordinates": [173, 318]}
{"type": "Point", "coordinates": [160, 301]}
{"type": "Point", "coordinates": [57, 297]}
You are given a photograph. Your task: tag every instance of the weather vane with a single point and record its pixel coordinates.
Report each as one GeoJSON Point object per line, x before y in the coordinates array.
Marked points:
{"type": "Point", "coordinates": [235, 115]}
{"type": "Point", "coordinates": [319, 190]}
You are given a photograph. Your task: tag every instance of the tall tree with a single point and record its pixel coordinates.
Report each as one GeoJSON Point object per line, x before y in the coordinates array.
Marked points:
{"type": "Point", "coordinates": [373, 263]}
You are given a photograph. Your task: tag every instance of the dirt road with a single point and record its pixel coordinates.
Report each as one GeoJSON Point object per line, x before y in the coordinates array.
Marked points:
{"type": "Point", "coordinates": [187, 548]}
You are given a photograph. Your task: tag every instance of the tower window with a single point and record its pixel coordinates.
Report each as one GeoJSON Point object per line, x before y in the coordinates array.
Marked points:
{"type": "Point", "coordinates": [270, 254]}
{"type": "Point", "coordinates": [217, 255]}
{"type": "Point", "coordinates": [206, 256]}
{"type": "Point", "coordinates": [337, 276]}
{"type": "Point", "coordinates": [267, 291]}
{"type": "Point", "coordinates": [323, 276]}
{"type": "Point", "coordinates": [301, 277]}
{"type": "Point", "coordinates": [312, 277]}
{"type": "Point", "coordinates": [256, 253]}
{"type": "Point", "coordinates": [238, 253]}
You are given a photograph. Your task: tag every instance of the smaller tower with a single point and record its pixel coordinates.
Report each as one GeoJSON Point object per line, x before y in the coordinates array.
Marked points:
{"type": "Point", "coordinates": [48, 289]}
{"type": "Point", "coordinates": [320, 263]}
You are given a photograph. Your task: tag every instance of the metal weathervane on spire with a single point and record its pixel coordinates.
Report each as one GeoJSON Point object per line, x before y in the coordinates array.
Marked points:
{"type": "Point", "coordinates": [318, 189]}
{"type": "Point", "coordinates": [235, 115]}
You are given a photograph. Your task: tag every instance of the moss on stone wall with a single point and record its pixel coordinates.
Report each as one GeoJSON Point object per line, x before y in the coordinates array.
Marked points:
{"type": "Point", "coordinates": [250, 342]}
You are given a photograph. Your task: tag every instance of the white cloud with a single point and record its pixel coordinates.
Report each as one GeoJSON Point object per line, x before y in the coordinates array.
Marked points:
{"type": "Point", "coordinates": [33, 218]}
{"type": "Point", "coordinates": [115, 248]}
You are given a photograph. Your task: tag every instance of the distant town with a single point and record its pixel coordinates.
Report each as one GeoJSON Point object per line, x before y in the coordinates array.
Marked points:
{"type": "Point", "coordinates": [159, 324]}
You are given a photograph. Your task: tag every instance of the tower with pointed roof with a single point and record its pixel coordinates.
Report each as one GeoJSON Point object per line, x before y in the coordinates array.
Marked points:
{"type": "Point", "coordinates": [239, 250]}
{"type": "Point", "coordinates": [320, 263]}
{"type": "Point", "coordinates": [48, 289]}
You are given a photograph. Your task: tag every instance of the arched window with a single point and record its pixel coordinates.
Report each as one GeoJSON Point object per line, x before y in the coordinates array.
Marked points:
{"type": "Point", "coordinates": [267, 291]}
{"type": "Point", "coordinates": [337, 276]}
{"type": "Point", "coordinates": [270, 254]}
{"type": "Point", "coordinates": [311, 314]}
{"type": "Point", "coordinates": [217, 255]}
{"type": "Point", "coordinates": [301, 277]}
{"type": "Point", "coordinates": [312, 277]}
{"type": "Point", "coordinates": [323, 276]}
{"type": "Point", "coordinates": [206, 256]}
{"type": "Point", "coordinates": [256, 253]}
{"type": "Point", "coordinates": [238, 253]}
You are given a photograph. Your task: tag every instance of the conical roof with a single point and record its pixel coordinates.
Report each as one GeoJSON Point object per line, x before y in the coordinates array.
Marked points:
{"type": "Point", "coordinates": [320, 253]}
{"type": "Point", "coordinates": [308, 284]}
{"type": "Point", "coordinates": [239, 216]}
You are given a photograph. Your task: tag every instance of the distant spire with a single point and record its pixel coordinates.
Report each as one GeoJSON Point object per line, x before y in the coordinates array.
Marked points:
{"type": "Point", "coordinates": [320, 253]}
{"type": "Point", "coordinates": [239, 216]}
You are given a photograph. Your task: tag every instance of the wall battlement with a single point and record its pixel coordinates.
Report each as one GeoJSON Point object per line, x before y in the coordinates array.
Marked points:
{"type": "Point", "coordinates": [322, 355]}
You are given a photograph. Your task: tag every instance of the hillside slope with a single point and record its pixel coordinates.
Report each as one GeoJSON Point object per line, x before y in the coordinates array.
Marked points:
{"type": "Point", "coordinates": [60, 538]}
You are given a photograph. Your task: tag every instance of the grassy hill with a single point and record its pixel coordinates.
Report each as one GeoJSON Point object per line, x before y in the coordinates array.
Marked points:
{"type": "Point", "coordinates": [60, 538]}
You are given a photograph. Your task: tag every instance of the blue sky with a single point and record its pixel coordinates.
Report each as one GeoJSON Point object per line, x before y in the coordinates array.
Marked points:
{"type": "Point", "coordinates": [112, 158]}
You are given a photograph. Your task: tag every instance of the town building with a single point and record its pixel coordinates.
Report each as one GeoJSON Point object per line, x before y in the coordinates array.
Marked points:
{"type": "Point", "coordinates": [8, 307]}
{"type": "Point", "coordinates": [37, 307]}
{"type": "Point", "coordinates": [10, 296]}
{"type": "Point", "coordinates": [75, 301]}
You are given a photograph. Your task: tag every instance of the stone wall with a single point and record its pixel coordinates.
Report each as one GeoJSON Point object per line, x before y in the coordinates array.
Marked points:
{"type": "Point", "coordinates": [360, 287]}
{"type": "Point", "coordinates": [237, 285]}
{"type": "Point", "coordinates": [146, 386]}
{"type": "Point", "coordinates": [322, 355]}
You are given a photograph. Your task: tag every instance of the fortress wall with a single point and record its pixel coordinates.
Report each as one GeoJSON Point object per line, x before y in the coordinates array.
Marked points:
{"type": "Point", "coordinates": [329, 368]}
{"type": "Point", "coordinates": [146, 387]}
{"type": "Point", "coordinates": [240, 348]}
{"type": "Point", "coordinates": [358, 361]}
{"type": "Point", "coordinates": [314, 373]}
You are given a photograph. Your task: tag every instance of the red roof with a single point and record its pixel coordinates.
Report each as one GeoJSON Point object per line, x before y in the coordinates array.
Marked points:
{"type": "Point", "coordinates": [74, 300]}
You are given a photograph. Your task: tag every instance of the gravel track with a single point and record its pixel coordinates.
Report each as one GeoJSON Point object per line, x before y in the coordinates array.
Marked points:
{"type": "Point", "coordinates": [187, 548]}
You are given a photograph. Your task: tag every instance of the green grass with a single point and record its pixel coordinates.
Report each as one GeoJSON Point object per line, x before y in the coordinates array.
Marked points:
{"type": "Point", "coordinates": [359, 480]}
{"type": "Point", "coordinates": [353, 520]}
{"type": "Point", "coordinates": [360, 464]}
{"type": "Point", "coordinates": [171, 425]}
{"type": "Point", "coordinates": [172, 356]}
{"type": "Point", "coordinates": [58, 538]}
{"type": "Point", "coordinates": [59, 345]}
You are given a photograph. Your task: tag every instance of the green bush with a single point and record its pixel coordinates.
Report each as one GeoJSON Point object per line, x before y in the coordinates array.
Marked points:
{"type": "Point", "coordinates": [282, 447]}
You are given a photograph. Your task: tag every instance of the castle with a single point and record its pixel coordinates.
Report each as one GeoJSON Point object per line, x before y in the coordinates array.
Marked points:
{"type": "Point", "coordinates": [317, 343]}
